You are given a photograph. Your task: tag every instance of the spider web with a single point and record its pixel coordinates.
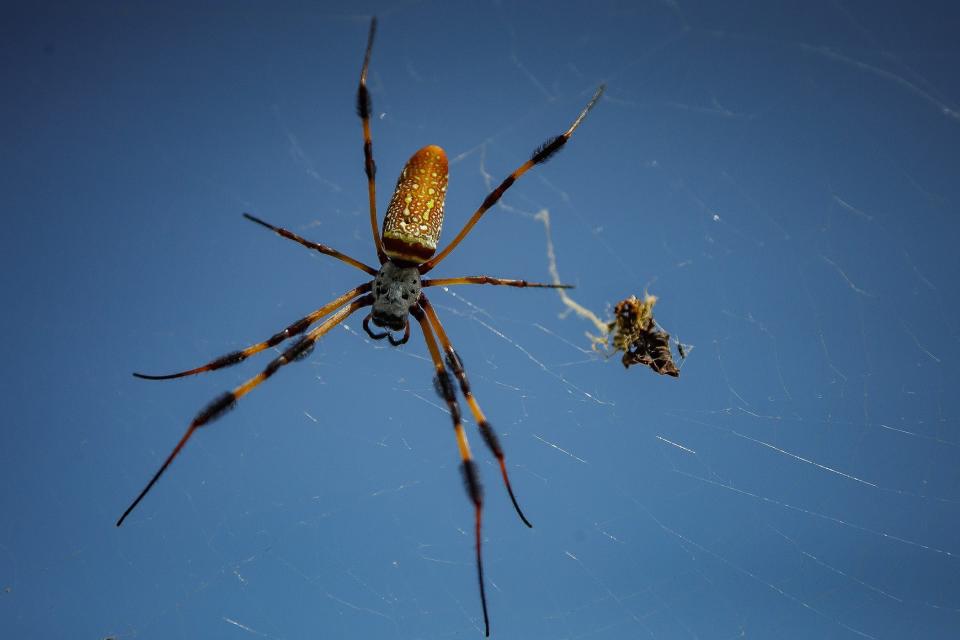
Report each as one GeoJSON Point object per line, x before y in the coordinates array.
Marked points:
{"type": "Point", "coordinates": [782, 178]}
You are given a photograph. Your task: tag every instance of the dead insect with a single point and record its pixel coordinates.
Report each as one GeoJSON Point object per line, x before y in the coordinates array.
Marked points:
{"type": "Point", "coordinates": [634, 332]}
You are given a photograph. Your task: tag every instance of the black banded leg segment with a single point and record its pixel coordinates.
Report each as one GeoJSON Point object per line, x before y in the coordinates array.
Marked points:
{"type": "Point", "coordinates": [468, 468]}
{"type": "Point", "coordinates": [486, 431]}
{"type": "Point", "coordinates": [364, 108]}
{"type": "Point", "coordinates": [316, 246]}
{"type": "Point", "coordinates": [543, 153]}
{"type": "Point", "coordinates": [471, 481]}
{"type": "Point", "coordinates": [226, 401]}
{"type": "Point", "coordinates": [294, 329]}
{"type": "Point", "coordinates": [443, 282]}
{"type": "Point", "coordinates": [220, 405]}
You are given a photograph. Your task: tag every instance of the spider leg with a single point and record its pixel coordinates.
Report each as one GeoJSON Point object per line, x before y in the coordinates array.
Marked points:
{"type": "Point", "coordinates": [364, 107]}
{"type": "Point", "coordinates": [489, 435]}
{"type": "Point", "coordinates": [438, 282]}
{"type": "Point", "coordinates": [541, 155]}
{"type": "Point", "coordinates": [226, 401]}
{"type": "Point", "coordinates": [468, 467]}
{"type": "Point", "coordinates": [294, 329]}
{"type": "Point", "coordinates": [322, 248]}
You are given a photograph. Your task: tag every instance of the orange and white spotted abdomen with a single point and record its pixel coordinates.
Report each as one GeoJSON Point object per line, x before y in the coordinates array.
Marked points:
{"type": "Point", "coordinates": [412, 225]}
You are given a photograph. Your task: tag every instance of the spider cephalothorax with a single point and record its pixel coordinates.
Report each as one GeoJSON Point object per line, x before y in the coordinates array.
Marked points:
{"type": "Point", "coordinates": [396, 290]}
{"type": "Point", "coordinates": [411, 230]}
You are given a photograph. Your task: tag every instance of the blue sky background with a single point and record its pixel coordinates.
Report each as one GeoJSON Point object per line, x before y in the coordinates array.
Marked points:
{"type": "Point", "coordinates": [784, 176]}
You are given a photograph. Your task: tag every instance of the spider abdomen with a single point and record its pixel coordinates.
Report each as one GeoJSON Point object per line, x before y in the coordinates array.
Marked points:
{"type": "Point", "coordinates": [411, 227]}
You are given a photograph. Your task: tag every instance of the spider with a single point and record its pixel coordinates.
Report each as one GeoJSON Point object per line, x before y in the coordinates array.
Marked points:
{"type": "Point", "coordinates": [411, 228]}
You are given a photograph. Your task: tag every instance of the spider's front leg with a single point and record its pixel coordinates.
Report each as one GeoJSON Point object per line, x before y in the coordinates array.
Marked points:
{"type": "Point", "coordinates": [486, 431]}
{"type": "Point", "coordinates": [468, 467]}
{"type": "Point", "coordinates": [226, 401]}
{"type": "Point", "coordinates": [236, 357]}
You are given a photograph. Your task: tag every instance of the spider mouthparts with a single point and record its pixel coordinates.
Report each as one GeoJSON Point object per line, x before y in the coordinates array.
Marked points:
{"type": "Point", "coordinates": [390, 322]}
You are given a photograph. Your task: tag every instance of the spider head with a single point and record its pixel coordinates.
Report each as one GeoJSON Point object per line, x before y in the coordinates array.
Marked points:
{"type": "Point", "coordinates": [395, 290]}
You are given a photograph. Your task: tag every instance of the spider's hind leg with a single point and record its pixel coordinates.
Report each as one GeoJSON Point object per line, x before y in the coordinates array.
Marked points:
{"type": "Point", "coordinates": [364, 109]}
{"type": "Point", "coordinates": [316, 246]}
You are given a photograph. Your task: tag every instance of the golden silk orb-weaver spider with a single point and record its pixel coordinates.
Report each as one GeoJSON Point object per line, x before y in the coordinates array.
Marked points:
{"type": "Point", "coordinates": [411, 228]}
